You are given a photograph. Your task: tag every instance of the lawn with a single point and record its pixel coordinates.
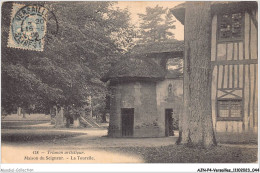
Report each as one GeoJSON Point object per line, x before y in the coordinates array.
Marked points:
{"type": "Point", "coordinates": [182, 154]}
{"type": "Point", "coordinates": [35, 117]}
{"type": "Point", "coordinates": [14, 121]}
{"type": "Point", "coordinates": [41, 135]}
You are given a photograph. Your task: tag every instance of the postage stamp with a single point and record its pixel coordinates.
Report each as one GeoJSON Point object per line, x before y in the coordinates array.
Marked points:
{"type": "Point", "coordinates": [28, 27]}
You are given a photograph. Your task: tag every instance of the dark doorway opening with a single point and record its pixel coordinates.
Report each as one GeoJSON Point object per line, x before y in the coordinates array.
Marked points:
{"type": "Point", "coordinates": [127, 115]}
{"type": "Point", "coordinates": [169, 122]}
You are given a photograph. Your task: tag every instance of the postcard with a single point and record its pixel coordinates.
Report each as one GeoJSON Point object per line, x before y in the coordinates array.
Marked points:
{"type": "Point", "coordinates": [87, 82]}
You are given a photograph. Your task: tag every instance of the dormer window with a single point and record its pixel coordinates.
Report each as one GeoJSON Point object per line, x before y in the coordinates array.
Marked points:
{"type": "Point", "coordinates": [230, 27]}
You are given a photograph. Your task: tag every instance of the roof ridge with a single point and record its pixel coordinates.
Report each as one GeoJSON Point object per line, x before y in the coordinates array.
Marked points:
{"type": "Point", "coordinates": [137, 67]}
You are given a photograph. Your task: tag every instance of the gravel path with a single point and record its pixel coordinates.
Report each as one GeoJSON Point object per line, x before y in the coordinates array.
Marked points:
{"type": "Point", "coordinates": [93, 143]}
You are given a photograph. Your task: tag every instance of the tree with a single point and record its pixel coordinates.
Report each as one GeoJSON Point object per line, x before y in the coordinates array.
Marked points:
{"type": "Point", "coordinates": [175, 65]}
{"type": "Point", "coordinates": [73, 61]}
{"type": "Point", "coordinates": [156, 24]}
{"type": "Point", "coordinates": [196, 127]}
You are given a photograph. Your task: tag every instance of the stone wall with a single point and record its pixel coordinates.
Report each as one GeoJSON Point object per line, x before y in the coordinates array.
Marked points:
{"type": "Point", "coordinates": [142, 97]}
{"type": "Point", "coordinates": [172, 100]}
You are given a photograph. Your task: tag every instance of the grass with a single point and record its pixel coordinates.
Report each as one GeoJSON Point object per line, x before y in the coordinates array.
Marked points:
{"type": "Point", "coordinates": [20, 124]}
{"type": "Point", "coordinates": [182, 154]}
{"type": "Point", "coordinates": [26, 136]}
{"type": "Point", "coordinates": [35, 117]}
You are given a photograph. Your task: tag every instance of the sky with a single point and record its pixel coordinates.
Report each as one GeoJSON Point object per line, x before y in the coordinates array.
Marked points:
{"type": "Point", "coordinates": [135, 7]}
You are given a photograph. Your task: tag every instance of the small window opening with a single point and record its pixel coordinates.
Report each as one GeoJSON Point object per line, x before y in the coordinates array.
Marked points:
{"type": "Point", "coordinates": [230, 109]}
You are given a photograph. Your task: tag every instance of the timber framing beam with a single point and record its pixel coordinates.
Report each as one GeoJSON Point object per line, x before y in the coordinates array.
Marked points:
{"type": "Point", "coordinates": [253, 18]}
{"type": "Point", "coordinates": [235, 62]}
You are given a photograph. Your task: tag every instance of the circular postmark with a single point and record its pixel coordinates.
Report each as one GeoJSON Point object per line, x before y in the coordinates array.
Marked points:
{"type": "Point", "coordinates": [30, 25]}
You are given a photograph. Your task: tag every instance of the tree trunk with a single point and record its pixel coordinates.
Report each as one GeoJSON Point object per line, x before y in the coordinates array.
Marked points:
{"type": "Point", "coordinates": [19, 111]}
{"type": "Point", "coordinates": [59, 122]}
{"type": "Point", "coordinates": [90, 105]}
{"type": "Point", "coordinates": [76, 123]}
{"type": "Point", "coordinates": [23, 112]}
{"type": "Point", "coordinates": [53, 111]}
{"type": "Point", "coordinates": [196, 127]}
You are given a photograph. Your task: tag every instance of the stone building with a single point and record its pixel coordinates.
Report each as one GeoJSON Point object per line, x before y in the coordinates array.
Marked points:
{"type": "Point", "coordinates": [146, 91]}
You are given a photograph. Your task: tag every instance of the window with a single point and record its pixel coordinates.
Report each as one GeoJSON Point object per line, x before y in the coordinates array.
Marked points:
{"type": "Point", "coordinates": [230, 109]}
{"type": "Point", "coordinates": [169, 89]}
{"type": "Point", "coordinates": [230, 27]}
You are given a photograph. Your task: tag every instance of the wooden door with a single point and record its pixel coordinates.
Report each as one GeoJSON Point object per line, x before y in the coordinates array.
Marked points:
{"type": "Point", "coordinates": [127, 115]}
{"type": "Point", "coordinates": [168, 122]}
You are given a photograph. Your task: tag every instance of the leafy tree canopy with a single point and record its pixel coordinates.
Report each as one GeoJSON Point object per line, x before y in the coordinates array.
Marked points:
{"type": "Point", "coordinates": [156, 24]}
{"type": "Point", "coordinates": [91, 36]}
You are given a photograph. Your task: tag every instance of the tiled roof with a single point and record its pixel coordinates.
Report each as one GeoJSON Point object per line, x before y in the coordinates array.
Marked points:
{"type": "Point", "coordinates": [158, 47]}
{"type": "Point", "coordinates": [135, 67]}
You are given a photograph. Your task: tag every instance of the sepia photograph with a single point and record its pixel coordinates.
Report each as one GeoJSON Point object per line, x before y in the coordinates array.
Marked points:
{"type": "Point", "coordinates": [87, 82]}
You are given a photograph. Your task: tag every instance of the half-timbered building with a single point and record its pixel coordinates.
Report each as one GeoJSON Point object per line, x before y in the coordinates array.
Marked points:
{"type": "Point", "coordinates": [234, 56]}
